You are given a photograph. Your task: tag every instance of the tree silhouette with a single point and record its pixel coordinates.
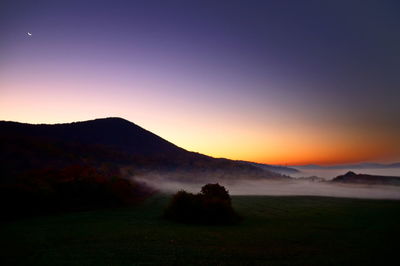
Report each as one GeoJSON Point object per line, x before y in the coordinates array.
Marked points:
{"type": "Point", "coordinates": [211, 206]}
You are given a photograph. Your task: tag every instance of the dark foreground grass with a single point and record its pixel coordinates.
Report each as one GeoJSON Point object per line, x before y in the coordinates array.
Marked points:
{"type": "Point", "coordinates": [275, 231]}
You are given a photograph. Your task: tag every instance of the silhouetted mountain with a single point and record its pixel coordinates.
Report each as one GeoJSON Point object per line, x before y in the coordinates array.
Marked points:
{"type": "Point", "coordinates": [351, 177]}
{"type": "Point", "coordinates": [86, 165]}
{"type": "Point", "coordinates": [349, 166]}
{"type": "Point", "coordinates": [109, 141]}
{"type": "Point", "coordinates": [274, 168]}
{"type": "Point", "coordinates": [115, 133]}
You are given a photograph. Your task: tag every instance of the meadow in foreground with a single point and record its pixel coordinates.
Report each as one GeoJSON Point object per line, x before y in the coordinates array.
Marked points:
{"type": "Point", "coordinates": [275, 231]}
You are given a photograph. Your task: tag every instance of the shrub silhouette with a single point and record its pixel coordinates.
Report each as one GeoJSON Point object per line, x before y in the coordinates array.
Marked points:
{"type": "Point", "coordinates": [211, 206]}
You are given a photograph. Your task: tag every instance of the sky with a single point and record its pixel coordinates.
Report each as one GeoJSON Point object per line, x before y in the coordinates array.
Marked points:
{"type": "Point", "coordinates": [280, 82]}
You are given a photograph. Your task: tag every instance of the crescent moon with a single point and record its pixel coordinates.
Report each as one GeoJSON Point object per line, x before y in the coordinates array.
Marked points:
{"type": "Point", "coordinates": [29, 34]}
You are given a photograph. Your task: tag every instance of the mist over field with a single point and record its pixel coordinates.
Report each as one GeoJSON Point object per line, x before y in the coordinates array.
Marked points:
{"type": "Point", "coordinates": [329, 174]}
{"type": "Point", "coordinates": [291, 187]}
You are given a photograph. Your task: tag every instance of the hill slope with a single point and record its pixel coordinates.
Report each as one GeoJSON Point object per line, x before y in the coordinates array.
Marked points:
{"type": "Point", "coordinates": [111, 141]}
{"type": "Point", "coordinates": [274, 168]}
{"type": "Point", "coordinates": [115, 133]}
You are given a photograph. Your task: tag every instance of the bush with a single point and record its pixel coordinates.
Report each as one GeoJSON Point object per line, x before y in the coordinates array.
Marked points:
{"type": "Point", "coordinates": [211, 206]}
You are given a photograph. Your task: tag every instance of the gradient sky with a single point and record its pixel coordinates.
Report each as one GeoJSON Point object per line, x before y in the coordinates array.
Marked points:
{"type": "Point", "coordinates": [282, 82]}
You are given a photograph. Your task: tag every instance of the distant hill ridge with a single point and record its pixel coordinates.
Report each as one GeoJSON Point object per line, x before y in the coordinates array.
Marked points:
{"type": "Point", "coordinates": [349, 166]}
{"type": "Point", "coordinates": [351, 177]}
{"type": "Point", "coordinates": [274, 168]}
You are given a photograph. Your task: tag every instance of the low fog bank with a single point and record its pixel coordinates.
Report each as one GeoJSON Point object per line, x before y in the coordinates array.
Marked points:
{"type": "Point", "coordinates": [329, 174]}
{"type": "Point", "coordinates": [276, 187]}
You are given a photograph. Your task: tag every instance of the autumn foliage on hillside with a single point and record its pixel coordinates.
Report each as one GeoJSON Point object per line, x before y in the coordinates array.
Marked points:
{"type": "Point", "coordinates": [75, 187]}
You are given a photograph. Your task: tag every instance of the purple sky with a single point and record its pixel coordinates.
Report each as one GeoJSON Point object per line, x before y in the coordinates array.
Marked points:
{"type": "Point", "coordinates": [268, 81]}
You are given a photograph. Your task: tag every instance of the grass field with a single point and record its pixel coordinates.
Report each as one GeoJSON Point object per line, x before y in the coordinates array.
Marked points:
{"type": "Point", "coordinates": [275, 231]}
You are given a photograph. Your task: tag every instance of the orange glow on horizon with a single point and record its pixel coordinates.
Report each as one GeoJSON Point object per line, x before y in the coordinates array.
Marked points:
{"type": "Point", "coordinates": [228, 88]}
{"type": "Point", "coordinates": [214, 132]}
